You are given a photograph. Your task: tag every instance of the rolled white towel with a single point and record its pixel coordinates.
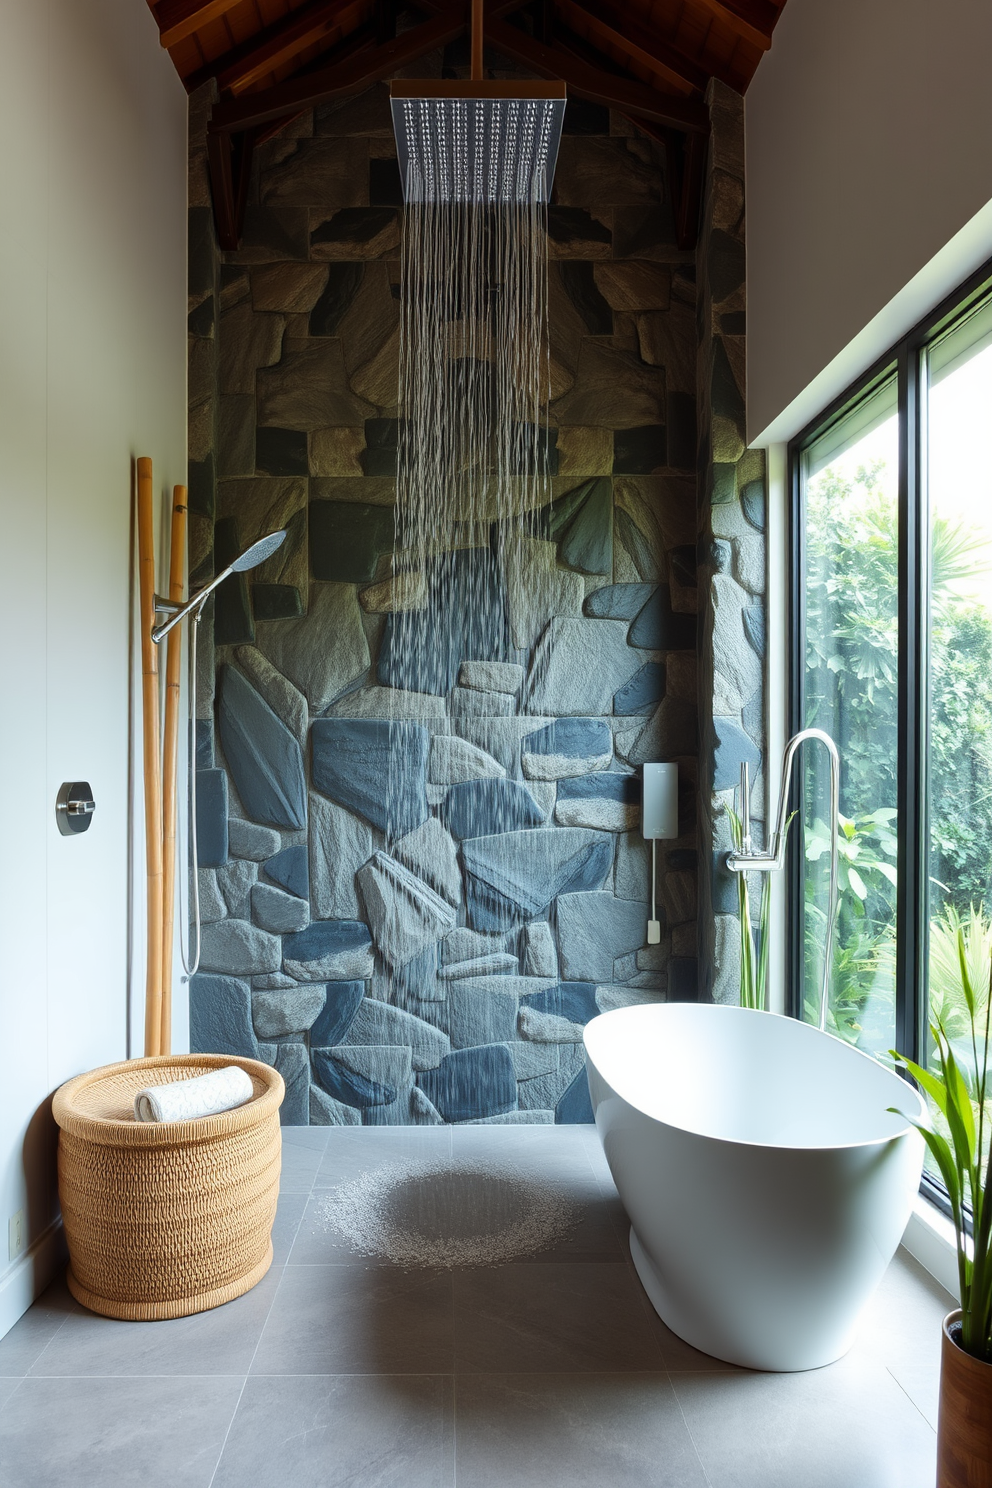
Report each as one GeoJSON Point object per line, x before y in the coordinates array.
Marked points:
{"type": "Point", "coordinates": [185, 1100]}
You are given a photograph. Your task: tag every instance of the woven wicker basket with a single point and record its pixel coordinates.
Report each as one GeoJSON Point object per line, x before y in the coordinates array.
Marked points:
{"type": "Point", "coordinates": [166, 1219]}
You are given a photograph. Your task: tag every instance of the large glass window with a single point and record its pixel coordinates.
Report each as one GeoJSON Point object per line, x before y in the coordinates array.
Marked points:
{"type": "Point", "coordinates": [851, 690]}
{"type": "Point", "coordinates": [958, 407]}
{"type": "Point", "coordinates": [892, 656]}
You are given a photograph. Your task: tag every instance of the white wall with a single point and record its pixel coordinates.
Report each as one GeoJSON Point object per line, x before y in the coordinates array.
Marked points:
{"type": "Point", "coordinates": [92, 374]}
{"type": "Point", "coordinates": [869, 150]}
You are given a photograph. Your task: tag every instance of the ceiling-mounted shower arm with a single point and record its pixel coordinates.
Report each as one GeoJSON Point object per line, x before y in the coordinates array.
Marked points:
{"type": "Point", "coordinates": [477, 39]}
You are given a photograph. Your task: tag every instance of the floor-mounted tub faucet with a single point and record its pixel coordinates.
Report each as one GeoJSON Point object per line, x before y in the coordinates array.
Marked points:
{"type": "Point", "coordinates": [748, 861]}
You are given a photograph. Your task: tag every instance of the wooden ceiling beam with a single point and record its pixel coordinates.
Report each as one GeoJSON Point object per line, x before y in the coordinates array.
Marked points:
{"type": "Point", "coordinates": [751, 20]}
{"type": "Point", "coordinates": [636, 42]}
{"type": "Point", "coordinates": [178, 19]}
{"type": "Point", "coordinates": [352, 76]}
{"type": "Point", "coordinates": [596, 85]}
{"type": "Point", "coordinates": [244, 65]}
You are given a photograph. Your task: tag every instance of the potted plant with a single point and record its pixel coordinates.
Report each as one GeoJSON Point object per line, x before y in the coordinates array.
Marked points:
{"type": "Point", "coordinates": [960, 1138]}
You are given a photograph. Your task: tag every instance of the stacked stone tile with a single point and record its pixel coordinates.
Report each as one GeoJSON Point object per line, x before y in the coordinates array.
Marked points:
{"type": "Point", "coordinates": [733, 608]}
{"type": "Point", "coordinates": [420, 882]}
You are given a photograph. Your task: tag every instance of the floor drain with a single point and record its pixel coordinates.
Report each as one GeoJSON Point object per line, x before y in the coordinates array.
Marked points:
{"type": "Point", "coordinates": [445, 1215]}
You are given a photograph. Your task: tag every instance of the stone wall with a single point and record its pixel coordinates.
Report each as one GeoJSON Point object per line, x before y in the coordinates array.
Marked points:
{"type": "Point", "coordinates": [733, 580]}
{"type": "Point", "coordinates": [448, 978]}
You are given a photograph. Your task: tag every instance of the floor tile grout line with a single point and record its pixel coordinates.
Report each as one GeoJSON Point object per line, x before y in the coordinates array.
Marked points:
{"type": "Point", "coordinates": [898, 1382]}
{"type": "Point", "coordinates": [688, 1431]}
{"type": "Point", "coordinates": [244, 1383]}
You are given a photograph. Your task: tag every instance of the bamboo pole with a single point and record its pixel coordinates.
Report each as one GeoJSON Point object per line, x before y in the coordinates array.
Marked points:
{"type": "Point", "coordinates": [477, 28]}
{"type": "Point", "coordinates": [170, 761]}
{"type": "Point", "coordinates": [152, 757]}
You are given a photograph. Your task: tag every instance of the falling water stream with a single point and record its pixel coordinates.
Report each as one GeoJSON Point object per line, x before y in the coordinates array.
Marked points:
{"type": "Point", "coordinates": [472, 567]}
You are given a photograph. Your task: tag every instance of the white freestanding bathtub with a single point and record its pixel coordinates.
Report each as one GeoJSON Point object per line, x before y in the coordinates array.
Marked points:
{"type": "Point", "coordinates": [766, 1184]}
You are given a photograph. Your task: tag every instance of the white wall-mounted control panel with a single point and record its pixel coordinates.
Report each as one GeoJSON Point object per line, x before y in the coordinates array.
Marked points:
{"type": "Point", "coordinates": [660, 810]}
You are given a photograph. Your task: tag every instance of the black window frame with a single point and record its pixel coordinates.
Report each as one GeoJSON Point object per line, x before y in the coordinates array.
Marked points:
{"type": "Point", "coordinates": [905, 360]}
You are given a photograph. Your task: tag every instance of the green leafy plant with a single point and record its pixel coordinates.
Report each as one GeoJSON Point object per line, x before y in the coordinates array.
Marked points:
{"type": "Point", "coordinates": [960, 1149]}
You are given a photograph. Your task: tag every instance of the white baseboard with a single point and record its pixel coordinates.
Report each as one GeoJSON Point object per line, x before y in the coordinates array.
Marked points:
{"type": "Point", "coordinates": [30, 1274]}
{"type": "Point", "coordinates": [929, 1238]}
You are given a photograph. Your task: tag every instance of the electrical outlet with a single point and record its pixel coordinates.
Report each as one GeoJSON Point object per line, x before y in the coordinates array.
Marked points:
{"type": "Point", "coordinates": [15, 1235]}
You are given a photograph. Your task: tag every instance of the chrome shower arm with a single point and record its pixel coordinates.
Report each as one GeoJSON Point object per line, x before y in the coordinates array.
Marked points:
{"type": "Point", "coordinates": [178, 612]}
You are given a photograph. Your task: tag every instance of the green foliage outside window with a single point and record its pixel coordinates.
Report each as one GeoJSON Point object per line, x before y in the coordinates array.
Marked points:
{"type": "Point", "coordinates": [852, 691]}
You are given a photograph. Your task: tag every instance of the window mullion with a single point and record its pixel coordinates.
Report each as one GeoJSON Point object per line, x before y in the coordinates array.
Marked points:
{"type": "Point", "coordinates": [911, 897]}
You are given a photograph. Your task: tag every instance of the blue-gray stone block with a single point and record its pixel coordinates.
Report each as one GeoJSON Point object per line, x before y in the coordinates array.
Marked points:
{"type": "Point", "coordinates": [293, 1063]}
{"type": "Point", "coordinates": [465, 619]}
{"type": "Point", "coordinates": [211, 817]}
{"type": "Point", "coordinates": [617, 601]}
{"type": "Point", "coordinates": [414, 983]}
{"type": "Point", "coordinates": [724, 885]}
{"type": "Point", "coordinates": [470, 1083]}
{"type": "Point", "coordinates": [575, 738]}
{"type": "Point", "coordinates": [204, 744]}
{"type": "Point", "coordinates": [327, 947]}
{"type": "Point", "coordinates": [351, 764]}
{"type": "Point", "coordinates": [514, 876]}
{"type": "Point", "coordinates": [336, 1017]}
{"type": "Point", "coordinates": [346, 1086]}
{"type": "Point", "coordinates": [753, 504]}
{"type": "Point", "coordinates": [575, 1001]}
{"type": "Point", "coordinates": [220, 1017]}
{"type": "Point", "coordinates": [346, 539]}
{"type": "Point", "coordinates": [264, 757]}
{"type": "Point", "coordinates": [643, 692]}
{"type": "Point", "coordinates": [586, 542]}
{"type": "Point", "coordinates": [683, 979]}
{"type": "Point", "coordinates": [479, 808]}
{"type": "Point", "coordinates": [660, 628]}
{"type": "Point", "coordinates": [290, 869]}
{"type": "Point", "coordinates": [753, 715]}
{"type": "Point", "coordinates": [723, 483]}
{"type": "Point", "coordinates": [754, 627]}
{"type": "Point", "coordinates": [733, 748]}
{"type": "Point", "coordinates": [575, 1107]}
{"type": "Point", "coordinates": [606, 785]}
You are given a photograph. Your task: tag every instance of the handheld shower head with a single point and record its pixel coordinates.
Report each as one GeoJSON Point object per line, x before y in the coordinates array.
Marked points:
{"type": "Point", "coordinates": [250, 558]}
{"type": "Point", "coordinates": [258, 552]}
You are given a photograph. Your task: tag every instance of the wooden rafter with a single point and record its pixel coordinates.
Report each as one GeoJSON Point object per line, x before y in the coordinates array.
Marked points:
{"type": "Point", "coordinates": [178, 19]}
{"type": "Point", "coordinates": [276, 45]}
{"type": "Point", "coordinates": [636, 43]}
{"type": "Point", "coordinates": [346, 77]}
{"type": "Point", "coordinates": [751, 20]}
{"type": "Point", "coordinates": [596, 85]}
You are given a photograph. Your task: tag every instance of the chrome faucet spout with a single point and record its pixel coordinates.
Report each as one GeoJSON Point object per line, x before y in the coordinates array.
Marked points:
{"type": "Point", "coordinates": [771, 861]}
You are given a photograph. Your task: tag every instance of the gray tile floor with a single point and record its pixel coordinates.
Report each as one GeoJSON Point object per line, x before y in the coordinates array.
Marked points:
{"type": "Point", "coordinates": [552, 1372]}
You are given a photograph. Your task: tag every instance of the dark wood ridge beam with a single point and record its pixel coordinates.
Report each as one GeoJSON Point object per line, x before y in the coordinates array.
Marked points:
{"type": "Point", "coordinates": [346, 77]}
{"type": "Point", "coordinates": [596, 85]}
{"type": "Point", "coordinates": [751, 20]}
{"type": "Point", "coordinates": [296, 94]}
{"type": "Point", "coordinates": [276, 45]}
{"type": "Point", "coordinates": [178, 19]}
{"type": "Point", "coordinates": [636, 43]}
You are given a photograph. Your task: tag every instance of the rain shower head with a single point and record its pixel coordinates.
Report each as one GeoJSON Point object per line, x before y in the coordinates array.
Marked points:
{"type": "Point", "coordinates": [491, 144]}
{"type": "Point", "coordinates": [250, 558]}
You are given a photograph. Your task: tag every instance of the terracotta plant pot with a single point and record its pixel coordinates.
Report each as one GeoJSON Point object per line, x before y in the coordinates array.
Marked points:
{"type": "Point", "coordinates": [964, 1421]}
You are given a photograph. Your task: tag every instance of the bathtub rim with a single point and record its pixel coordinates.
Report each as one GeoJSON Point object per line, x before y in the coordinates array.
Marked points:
{"type": "Point", "coordinates": [724, 1008]}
